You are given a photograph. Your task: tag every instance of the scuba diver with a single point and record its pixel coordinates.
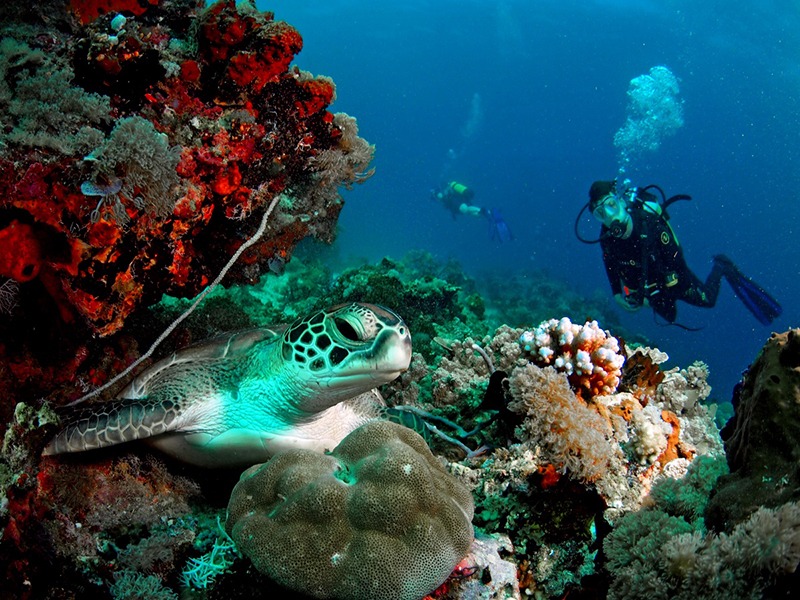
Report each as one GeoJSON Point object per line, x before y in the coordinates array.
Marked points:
{"type": "Point", "coordinates": [457, 198]}
{"type": "Point", "coordinates": [644, 261]}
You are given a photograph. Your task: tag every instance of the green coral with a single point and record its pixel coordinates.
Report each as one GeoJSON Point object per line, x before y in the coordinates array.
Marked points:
{"type": "Point", "coordinates": [137, 161]}
{"type": "Point", "coordinates": [687, 497]}
{"type": "Point", "coordinates": [428, 303]}
{"type": "Point", "coordinates": [632, 550]}
{"type": "Point", "coordinates": [201, 572]}
{"type": "Point", "coordinates": [40, 106]}
{"type": "Point", "coordinates": [665, 553]}
{"type": "Point", "coordinates": [130, 585]}
{"type": "Point", "coordinates": [378, 518]}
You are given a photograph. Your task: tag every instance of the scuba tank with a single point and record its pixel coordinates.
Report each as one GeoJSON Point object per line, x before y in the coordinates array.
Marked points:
{"type": "Point", "coordinates": [460, 190]}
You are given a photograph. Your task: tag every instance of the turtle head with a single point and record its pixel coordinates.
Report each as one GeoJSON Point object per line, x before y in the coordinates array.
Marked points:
{"type": "Point", "coordinates": [348, 349]}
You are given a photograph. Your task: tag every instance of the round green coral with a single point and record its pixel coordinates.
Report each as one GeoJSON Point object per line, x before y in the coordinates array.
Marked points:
{"type": "Point", "coordinates": [378, 518]}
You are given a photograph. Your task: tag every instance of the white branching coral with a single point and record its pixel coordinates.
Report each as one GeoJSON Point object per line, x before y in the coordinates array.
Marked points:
{"type": "Point", "coordinates": [589, 356]}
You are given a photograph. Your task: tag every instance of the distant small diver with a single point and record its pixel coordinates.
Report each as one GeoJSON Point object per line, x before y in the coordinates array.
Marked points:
{"type": "Point", "coordinates": [457, 199]}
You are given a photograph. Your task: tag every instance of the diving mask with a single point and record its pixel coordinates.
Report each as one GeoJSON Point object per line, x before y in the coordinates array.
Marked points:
{"type": "Point", "coordinates": [612, 211]}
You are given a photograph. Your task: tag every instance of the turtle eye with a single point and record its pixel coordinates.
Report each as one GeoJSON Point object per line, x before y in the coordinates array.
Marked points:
{"type": "Point", "coordinates": [347, 330]}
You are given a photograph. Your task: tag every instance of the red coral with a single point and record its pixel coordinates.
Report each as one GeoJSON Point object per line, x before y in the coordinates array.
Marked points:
{"type": "Point", "coordinates": [321, 92]}
{"type": "Point", "coordinates": [246, 127]}
{"type": "Point", "coordinates": [255, 52]}
{"type": "Point", "coordinates": [225, 28]}
{"type": "Point", "coordinates": [21, 257]}
{"type": "Point", "coordinates": [227, 181]}
{"type": "Point", "coordinates": [258, 68]}
{"type": "Point", "coordinates": [190, 71]}
{"type": "Point", "coordinates": [88, 10]}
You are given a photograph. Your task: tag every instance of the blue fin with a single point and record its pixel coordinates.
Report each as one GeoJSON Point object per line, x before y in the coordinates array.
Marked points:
{"type": "Point", "coordinates": [763, 306]}
{"type": "Point", "coordinates": [499, 229]}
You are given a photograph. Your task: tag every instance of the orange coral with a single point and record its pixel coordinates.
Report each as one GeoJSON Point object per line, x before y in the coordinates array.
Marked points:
{"type": "Point", "coordinates": [675, 447]}
{"type": "Point", "coordinates": [573, 434]}
{"type": "Point", "coordinates": [549, 476]}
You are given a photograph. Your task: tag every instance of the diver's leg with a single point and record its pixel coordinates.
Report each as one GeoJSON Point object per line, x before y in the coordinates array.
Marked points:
{"type": "Point", "coordinates": [702, 294]}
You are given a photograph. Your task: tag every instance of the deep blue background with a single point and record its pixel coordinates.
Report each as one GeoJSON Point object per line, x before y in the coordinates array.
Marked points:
{"type": "Point", "coordinates": [552, 77]}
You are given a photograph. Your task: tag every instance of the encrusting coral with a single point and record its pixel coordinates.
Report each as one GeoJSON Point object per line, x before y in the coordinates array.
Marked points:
{"type": "Point", "coordinates": [378, 517]}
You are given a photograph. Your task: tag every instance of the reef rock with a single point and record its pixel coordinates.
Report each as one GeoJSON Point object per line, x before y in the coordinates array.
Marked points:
{"type": "Point", "coordinates": [139, 150]}
{"type": "Point", "coordinates": [762, 440]}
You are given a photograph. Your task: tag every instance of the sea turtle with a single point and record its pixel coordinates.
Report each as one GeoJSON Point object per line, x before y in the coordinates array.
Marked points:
{"type": "Point", "coordinates": [238, 399]}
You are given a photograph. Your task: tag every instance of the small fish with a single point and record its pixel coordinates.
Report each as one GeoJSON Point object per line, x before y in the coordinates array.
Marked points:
{"type": "Point", "coordinates": [89, 188]}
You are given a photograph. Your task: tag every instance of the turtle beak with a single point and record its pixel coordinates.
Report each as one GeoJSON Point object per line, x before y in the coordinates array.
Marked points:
{"type": "Point", "coordinates": [396, 354]}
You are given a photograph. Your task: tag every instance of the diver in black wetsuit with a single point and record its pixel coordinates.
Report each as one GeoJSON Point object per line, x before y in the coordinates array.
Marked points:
{"type": "Point", "coordinates": [644, 261]}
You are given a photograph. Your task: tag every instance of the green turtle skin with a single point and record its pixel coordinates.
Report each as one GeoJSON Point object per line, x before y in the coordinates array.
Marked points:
{"type": "Point", "coordinates": [238, 399]}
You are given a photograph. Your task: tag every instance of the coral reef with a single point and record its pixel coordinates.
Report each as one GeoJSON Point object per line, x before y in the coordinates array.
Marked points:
{"type": "Point", "coordinates": [138, 153]}
{"type": "Point", "coordinates": [376, 518]}
{"type": "Point", "coordinates": [665, 551]}
{"type": "Point", "coordinates": [577, 493]}
{"type": "Point", "coordinates": [570, 464]}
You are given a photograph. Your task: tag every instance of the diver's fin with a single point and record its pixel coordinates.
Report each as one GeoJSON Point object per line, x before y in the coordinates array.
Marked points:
{"type": "Point", "coordinates": [498, 228]}
{"type": "Point", "coordinates": [763, 306]}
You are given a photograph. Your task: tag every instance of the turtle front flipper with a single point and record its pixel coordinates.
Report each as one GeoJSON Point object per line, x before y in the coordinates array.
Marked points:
{"type": "Point", "coordinates": [114, 423]}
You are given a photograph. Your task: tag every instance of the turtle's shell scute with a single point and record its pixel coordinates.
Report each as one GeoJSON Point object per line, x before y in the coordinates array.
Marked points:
{"type": "Point", "coordinates": [228, 347]}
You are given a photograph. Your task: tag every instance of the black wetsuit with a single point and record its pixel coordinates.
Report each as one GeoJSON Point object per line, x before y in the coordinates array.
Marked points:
{"type": "Point", "coordinates": [649, 264]}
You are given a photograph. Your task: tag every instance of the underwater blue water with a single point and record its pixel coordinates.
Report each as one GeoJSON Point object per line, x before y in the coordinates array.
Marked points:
{"type": "Point", "coordinates": [520, 100]}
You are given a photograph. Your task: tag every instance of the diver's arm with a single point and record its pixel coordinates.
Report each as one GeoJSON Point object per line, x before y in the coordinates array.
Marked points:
{"type": "Point", "coordinates": [669, 256]}
{"type": "Point", "coordinates": [468, 209]}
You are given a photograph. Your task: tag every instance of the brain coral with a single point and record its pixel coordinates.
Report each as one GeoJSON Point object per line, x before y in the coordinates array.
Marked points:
{"type": "Point", "coordinates": [378, 518]}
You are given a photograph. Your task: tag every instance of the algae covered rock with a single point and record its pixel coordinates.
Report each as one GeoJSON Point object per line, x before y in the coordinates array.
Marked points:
{"type": "Point", "coordinates": [377, 518]}
{"type": "Point", "coordinates": [762, 440]}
